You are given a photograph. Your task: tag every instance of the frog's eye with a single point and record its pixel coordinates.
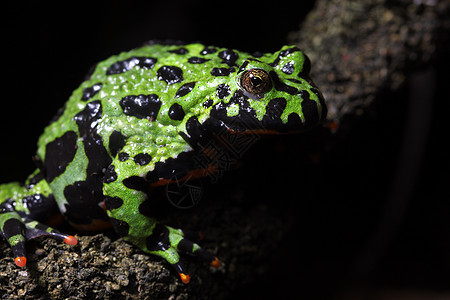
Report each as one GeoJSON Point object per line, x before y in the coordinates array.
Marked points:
{"type": "Point", "coordinates": [256, 82]}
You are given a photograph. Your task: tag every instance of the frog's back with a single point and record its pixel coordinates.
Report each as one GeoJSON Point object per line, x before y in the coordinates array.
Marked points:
{"type": "Point", "coordinates": [145, 93]}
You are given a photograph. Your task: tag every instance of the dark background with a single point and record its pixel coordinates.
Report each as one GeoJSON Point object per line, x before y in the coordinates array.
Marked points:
{"type": "Point", "coordinates": [47, 50]}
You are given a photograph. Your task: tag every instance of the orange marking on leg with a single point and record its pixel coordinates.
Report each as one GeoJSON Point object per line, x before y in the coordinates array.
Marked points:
{"type": "Point", "coordinates": [20, 261]}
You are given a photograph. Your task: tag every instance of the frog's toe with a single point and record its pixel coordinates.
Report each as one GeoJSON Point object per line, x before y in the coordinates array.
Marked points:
{"type": "Point", "coordinates": [181, 270]}
{"type": "Point", "coordinates": [187, 245]}
{"type": "Point", "coordinates": [190, 247]}
{"type": "Point", "coordinates": [35, 229]}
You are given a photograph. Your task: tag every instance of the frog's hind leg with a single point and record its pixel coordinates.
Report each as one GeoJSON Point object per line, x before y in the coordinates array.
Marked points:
{"type": "Point", "coordinates": [126, 208]}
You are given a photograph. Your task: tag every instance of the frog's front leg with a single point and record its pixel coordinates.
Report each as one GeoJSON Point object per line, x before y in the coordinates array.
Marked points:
{"type": "Point", "coordinates": [19, 205]}
{"type": "Point", "coordinates": [125, 190]}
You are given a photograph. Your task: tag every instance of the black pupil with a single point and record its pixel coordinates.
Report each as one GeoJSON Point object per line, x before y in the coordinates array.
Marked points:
{"type": "Point", "coordinates": [256, 81]}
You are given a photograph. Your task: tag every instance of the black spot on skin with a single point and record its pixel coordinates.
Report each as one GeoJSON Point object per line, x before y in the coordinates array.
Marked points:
{"type": "Point", "coordinates": [304, 73]}
{"type": "Point", "coordinates": [170, 74]}
{"type": "Point", "coordinates": [244, 120]}
{"type": "Point", "coordinates": [18, 249]}
{"type": "Point", "coordinates": [98, 157]}
{"type": "Point", "coordinates": [128, 64]}
{"type": "Point", "coordinates": [143, 159]}
{"type": "Point", "coordinates": [283, 53]}
{"type": "Point", "coordinates": [116, 142]}
{"type": "Point", "coordinates": [295, 80]}
{"type": "Point", "coordinates": [113, 202]}
{"type": "Point", "coordinates": [84, 119]}
{"type": "Point", "coordinates": [121, 227]}
{"type": "Point", "coordinates": [197, 60]}
{"type": "Point", "coordinates": [35, 180]}
{"type": "Point", "coordinates": [12, 227]}
{"type": "Point", "coordinates": [222, 71]}
{"type": "Point", "coordinates": [136, 183]}
{"type": "Point", "coordinates": [208, 50]}
{"type": "Point", "coordinates": [173, 167]}
{"type": "Point", "coordinates": [59, 153]}
{"type": "Point", "coordinates": [110, 175]}
{"type": "Point", "coordinates": [7, 206]}
{"type": "Point", "coordinates": [309, 109]}
{"type": "Point", "coordinates": [289, 51]}
{"type": "Point", "coordinates": [223, 90]}
{"type": "Point", "coordinates": [195, 130]}
{"type": "Point", "coordinates": [274, 110]}
{"type": "Point", "coordinates": [123, 156]}
{"type": "Point", "coordinates": [83, 198]}
{"type": "Point", "coordinates": [90, 92]}
{"type": "Point", "coordinates": [281, 86]}
{"type": "Point", "coordinates": [141, 106]}
{"type": "Point", "coordinates": [180, 51]}
{"type": "Point", "coordinates": [321, 101]}
{"type": "Point", "coordinates": [186, 245]}
{"type": "Point", "coordinates": [40, 206]}
{"type": "Point", "coordinates": [147, 209]}
{"type": "Point", "coordinates": [185, 89]}
{"type": "Point", "coordinates": [159, 239]}
{"type": "Point", "coordinates": [229, 57]}
{"type": "Point", "coordinates": [288, 68]}
{"type": "Point", "coordinates": [294, 121]}
{"type": "Point", "coordinates": [176, 112]}
{"type": "Point", "coordinates": [208, 103]}
{"type": "Point", "coordinates": [197, 136]}
{"type": "Point", "coordinates": [243, 66]}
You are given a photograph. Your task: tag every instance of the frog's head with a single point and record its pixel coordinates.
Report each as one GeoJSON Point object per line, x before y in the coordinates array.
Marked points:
{"type": "Point", "coordinates": [271, 94]}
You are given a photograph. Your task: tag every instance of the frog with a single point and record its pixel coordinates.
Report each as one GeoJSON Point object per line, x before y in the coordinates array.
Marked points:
{"type": "Point", "coordinates": [148, 118]}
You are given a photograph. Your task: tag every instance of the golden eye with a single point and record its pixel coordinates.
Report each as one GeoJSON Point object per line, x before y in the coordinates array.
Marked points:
{"type": "Point", "coordinates": [256, 81]}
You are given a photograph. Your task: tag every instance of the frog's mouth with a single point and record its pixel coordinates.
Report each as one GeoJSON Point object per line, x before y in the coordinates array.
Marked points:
{"type": "Point", "coordinates": [246, 121]}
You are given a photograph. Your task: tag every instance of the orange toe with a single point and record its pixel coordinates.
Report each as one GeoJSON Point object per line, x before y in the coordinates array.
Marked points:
{"type": "Point", "coordinates": [185, 278]}
{"type": "Point", "coordinates": [215, 263]}
{"type": "Point", "coordinates": [20, 261]}
{"type": "Point", "coordinates": [71, 240]}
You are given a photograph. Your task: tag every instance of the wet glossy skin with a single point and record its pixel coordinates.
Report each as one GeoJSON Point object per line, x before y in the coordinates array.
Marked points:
{"type": "Point", "coordinates": [147, 118]}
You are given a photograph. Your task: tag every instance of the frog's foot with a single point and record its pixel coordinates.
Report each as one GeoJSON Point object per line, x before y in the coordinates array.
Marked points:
{"type": "Point", "coordinates": [17, 232]}
{"type": "Point", "coordinates": [166, 242]}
